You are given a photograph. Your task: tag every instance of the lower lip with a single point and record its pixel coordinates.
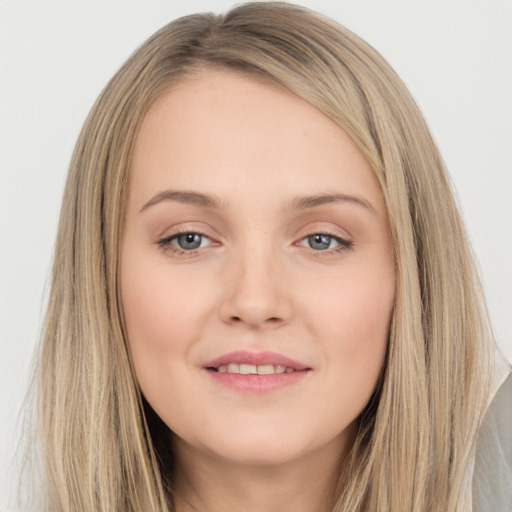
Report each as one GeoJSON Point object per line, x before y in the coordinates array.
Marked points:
{"type": "Point", "coordinates": [258, 384]}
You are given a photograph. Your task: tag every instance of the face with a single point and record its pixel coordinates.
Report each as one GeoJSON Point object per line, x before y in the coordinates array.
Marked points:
{"type": "Point", "coordinates": [257, 274]}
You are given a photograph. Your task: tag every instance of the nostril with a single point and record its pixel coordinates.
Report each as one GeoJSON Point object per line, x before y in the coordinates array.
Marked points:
{"type": "Point", "coordinates": [272, 320]}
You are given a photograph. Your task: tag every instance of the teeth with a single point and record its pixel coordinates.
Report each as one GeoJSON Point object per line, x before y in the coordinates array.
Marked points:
{"type": "Point", "coordinates": [248, 369]}
{"type": "Point", "coordinates": [252, 369]}
{"type": "Point", "coordinates": [266, 369]}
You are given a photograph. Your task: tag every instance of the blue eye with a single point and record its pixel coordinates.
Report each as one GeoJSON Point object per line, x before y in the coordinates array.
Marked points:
{"type": "Point", "coordinates": [321, 242]}
{"type": "Point", "coordinates": [189, 241]}
{"type": "Point", "coordinates": [184, 242]}
{"type": "Point", "coordinates": [326, 243]}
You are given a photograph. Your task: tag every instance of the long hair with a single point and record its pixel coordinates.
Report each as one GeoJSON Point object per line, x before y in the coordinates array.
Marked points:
{"type": "Point", "coordinates": [101, 443]}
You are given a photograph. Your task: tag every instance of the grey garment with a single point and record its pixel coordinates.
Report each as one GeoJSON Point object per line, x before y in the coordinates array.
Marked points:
{"type": "Point", "coordinates": [492, 476]}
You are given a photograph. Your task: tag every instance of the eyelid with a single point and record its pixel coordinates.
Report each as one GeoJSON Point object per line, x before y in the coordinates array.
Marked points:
{"type": "Point", "coordinates": [340, 240]}
{"type": "Point", "coordinates": [345, 242]}
{"type": "Point", "coordinates": [174, 240]}
{"type": "Point", "coordinates": [324, 228]}
{"type": "Point", "coordinates": [182, 228]}
{"type": "Point", "coordinates": [165, 240]}
{"type": "Point", "coordinates": [336, 238]}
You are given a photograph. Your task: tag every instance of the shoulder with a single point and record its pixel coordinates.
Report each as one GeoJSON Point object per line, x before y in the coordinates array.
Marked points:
{"type": "Point", "coordinates": [492, 475]}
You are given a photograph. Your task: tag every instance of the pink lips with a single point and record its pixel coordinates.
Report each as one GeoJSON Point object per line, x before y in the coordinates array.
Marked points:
{"type": "Point", "coordinates": [256, 358]}
{"type": "Point", "coordinates": [256, 383]}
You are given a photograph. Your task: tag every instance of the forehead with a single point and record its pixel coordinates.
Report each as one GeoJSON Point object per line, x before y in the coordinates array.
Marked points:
{"type": "Point", "coordinates": [225, 133]}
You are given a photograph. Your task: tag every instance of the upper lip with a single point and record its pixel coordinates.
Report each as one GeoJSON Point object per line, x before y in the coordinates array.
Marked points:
{"type": "Point", "coordinates": [255, 358]}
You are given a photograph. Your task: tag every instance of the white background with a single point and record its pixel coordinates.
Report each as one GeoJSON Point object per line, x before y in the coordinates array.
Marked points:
{"type": "Point", "coordinates": [55, 57]}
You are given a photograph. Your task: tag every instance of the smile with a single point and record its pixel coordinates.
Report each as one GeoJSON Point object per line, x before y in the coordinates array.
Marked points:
{"type": "Point", "coordinates": [252, 369]}
{"type": "Point", "coordinates": [260, 372]}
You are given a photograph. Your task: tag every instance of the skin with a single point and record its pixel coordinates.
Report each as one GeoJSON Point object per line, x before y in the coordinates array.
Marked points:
{"type": "Point", "coordinates": [256, 284]}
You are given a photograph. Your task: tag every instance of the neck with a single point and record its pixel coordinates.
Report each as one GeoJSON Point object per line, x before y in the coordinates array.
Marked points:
{"type": "Point", "coordinates": [212, 484]}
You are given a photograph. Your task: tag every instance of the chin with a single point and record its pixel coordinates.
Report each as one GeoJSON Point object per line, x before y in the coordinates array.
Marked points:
{"type": "Point", "coordinates": [259, 446]}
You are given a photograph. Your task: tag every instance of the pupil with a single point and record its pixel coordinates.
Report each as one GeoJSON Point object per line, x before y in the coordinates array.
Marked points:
{"type": "Point", "coordinates": [319, 242]}
{"type": "Point", "coordinates": [189, 241]}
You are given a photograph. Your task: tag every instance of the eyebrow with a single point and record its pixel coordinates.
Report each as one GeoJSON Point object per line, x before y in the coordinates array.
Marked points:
{"type": "Point", "coordinates": [303, 202]}
{"type": "Point", "coordinates": [298, 203]}
{"type": "Point", "coordinates": [186, 197]}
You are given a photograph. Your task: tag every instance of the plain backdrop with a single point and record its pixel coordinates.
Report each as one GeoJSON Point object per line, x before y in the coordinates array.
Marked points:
{"type": "Point", "coordinates": [56, 56]}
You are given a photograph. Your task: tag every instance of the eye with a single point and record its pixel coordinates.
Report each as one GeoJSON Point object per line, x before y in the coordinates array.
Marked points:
{"type": "Point", "coordinates": [325, 242]}
{"type": "Point", "coordinates": [320, 242]}
{"type": "Point", "coordinates": [185, 242]}
{"type": "Point", "coordinates": [189, 241]}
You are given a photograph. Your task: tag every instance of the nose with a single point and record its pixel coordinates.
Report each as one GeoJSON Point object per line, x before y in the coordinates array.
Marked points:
{"type": "Point", "coordinates": [257, 295]}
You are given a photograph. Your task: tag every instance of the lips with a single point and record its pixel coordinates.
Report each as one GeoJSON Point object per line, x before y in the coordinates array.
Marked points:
{"type": "Point", "coordinates": [252, 369]}
{"type": "Point", "coordinates": [252, 372]}
{"type": "Point", "coordinates": [258, 359]}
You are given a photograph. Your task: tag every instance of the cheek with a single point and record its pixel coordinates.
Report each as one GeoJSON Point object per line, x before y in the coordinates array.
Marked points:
{"type": "Point", "coordinates": [164, 315]}
{"type": "Point", "coordinates": [355, 307]}
{"type": "Point", "coordinates": [353, 318]}
{"type": "Point", "coordinates": [164, 318]}
{"type": "Point", "coordinates": [150, 309]}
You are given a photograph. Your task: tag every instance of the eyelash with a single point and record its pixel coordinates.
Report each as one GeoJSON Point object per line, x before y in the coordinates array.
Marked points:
{"type": "Point", "coordinates": [166, 245]}
{"type": "Point", "coordinates": [344, 244]}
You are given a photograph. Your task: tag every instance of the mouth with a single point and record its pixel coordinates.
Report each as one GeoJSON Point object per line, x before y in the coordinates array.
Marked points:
{"type": "Point", "coordinates": [252, 369]}
{"type": "Point", "coordinates": [252, 372]}
{"type": "Point", "coordinates": [254, 363]}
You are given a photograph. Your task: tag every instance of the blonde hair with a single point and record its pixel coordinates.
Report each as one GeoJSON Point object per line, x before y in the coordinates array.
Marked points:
{"type": "Point", "coordinates": [100, 440]}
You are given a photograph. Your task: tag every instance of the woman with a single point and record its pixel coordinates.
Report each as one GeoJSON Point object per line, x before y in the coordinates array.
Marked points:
{"type": "Point", "coordinates": [262, 293]}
